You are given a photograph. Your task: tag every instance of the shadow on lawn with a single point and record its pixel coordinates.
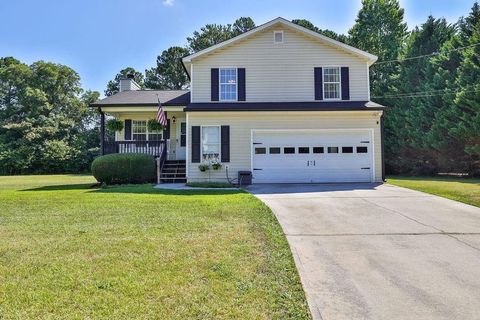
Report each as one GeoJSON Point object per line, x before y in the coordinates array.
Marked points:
{"type": "Point", "coordinates": [131, 188]}
{"type": "Point", "coordinates": [59, 187]}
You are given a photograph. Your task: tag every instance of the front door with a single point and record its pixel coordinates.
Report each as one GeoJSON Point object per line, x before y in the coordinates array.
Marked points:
{"type": "Point", "coordinates": [181, 144]}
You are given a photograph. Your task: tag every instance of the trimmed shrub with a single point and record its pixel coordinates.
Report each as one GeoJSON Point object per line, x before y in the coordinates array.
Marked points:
{"type": "Point", "coordinates": [123, 168]}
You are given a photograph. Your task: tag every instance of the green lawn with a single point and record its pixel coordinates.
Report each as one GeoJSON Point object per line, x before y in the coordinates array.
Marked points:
{"type": "Point", "coordinates": [68, 250]}
{"type": "Point", "coordinates": [465, 190]}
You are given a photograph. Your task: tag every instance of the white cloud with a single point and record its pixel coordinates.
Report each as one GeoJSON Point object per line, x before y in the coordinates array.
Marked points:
{"type": "Point", "coordinates": [168, 3]}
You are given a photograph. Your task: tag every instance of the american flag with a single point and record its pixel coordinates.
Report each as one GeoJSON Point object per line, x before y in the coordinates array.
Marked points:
{"type": "Point", "coordinates": [161, 115]}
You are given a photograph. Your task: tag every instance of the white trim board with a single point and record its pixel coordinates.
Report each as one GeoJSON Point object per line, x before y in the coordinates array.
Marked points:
{"type": "Point", "coordinates": [188, 150]}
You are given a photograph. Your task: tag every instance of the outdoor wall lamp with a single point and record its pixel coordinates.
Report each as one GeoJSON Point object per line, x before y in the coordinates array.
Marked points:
{"type": "Point", "coordinates": [174, 119]}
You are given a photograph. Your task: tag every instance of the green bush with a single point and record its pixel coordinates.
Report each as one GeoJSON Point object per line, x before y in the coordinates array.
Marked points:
{"type": "Point", "coordinates": [153, 125]}
{"type": "Point", "coordinates": [124, 168]}
{"type": "Point", "coordinates": [114, 125]}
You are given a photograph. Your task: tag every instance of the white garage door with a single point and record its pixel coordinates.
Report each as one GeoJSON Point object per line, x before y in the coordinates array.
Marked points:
{"type": "Point", "coordinates": [312, 156]}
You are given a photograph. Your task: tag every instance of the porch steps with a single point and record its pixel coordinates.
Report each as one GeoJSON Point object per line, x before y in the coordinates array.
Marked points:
{"type": "Point", "coordinates": [173, 172]}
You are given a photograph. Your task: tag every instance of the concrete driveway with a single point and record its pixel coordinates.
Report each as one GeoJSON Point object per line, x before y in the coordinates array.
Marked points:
{"type": "Point", "coordinates": [367, 251]}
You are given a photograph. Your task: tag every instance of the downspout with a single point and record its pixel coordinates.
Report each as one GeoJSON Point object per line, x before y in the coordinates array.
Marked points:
{"type": "Point", "coordinates": [185, 68]}
{"type": "Point", "coordinates": [102, 131]}
{"type": "Point", "coordinates": [382, 140]}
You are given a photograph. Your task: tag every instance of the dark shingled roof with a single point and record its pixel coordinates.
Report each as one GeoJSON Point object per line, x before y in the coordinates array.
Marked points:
{"type": "Point", "coordinates": [287, 106]}
{"type": "Point", "coordinates": [146, 98]}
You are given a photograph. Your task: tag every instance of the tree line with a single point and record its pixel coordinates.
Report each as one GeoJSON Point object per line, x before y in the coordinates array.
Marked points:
{"type": "Point", "coordinates": [427, 77]}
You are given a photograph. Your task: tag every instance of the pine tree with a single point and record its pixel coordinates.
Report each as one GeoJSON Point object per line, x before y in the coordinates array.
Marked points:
{"type": "Point", "coordinates": [113, 86]}
{"type": "Point", "coordinates": [380, 29]}
{"type": "Point", "coordinates": [455, 149]}
{"type": "Point", "coordinates": [169, 72]}
{"type": "Point", "coordinates": [467, 102]}
{"type": "Point", "coordinates": [413, 113]}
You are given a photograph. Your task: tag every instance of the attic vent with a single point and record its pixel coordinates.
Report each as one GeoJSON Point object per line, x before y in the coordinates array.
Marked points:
{"type": "Point", "coordinates": [278, 36]}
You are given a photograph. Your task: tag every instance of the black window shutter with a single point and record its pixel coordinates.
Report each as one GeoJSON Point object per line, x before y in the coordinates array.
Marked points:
{"type": "Point", "coordinates": [166, 131]}
{"type": "Point", "coordinates": [318, 84]}
{"type": "Point", "coordinates": [241, 84]}
{"type": "Point", "coordinates": [195, 143]}
{"type": "Point", "coordinates": [128, 129]}
{"type": "Point", "coordinates": [183, 137]}
{"type": "Point", "coordinates": [225, 143]}
{"type": "Point", "coordinates": [345, 83]}
{"type": "Point", "coordinates": [214, 84]}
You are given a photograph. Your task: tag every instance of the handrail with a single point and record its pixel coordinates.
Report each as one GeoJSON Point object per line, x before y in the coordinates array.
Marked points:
{"type": "Point", "coordinates": [163, 155]}
{"type": "Point", "coordinates": [156, 148]}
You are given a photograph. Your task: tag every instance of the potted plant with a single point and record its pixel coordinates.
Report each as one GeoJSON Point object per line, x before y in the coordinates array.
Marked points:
{"type": "Point", "coordinates": [153, 125]}
{"type": "Point", "coordinates": [216, 165]}
{"type": "Point", "coordinates": [203, 167]}
{"type": "Point", "coordinates": [115, 125]}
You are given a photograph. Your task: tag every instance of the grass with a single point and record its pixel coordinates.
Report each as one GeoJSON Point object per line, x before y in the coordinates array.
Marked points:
{"type": "Point", "coordinates": [69, 250]}
{"type": "Point", "coordinates": [466, 190]}
{"type": "Point", "coordinates": [209, 184]}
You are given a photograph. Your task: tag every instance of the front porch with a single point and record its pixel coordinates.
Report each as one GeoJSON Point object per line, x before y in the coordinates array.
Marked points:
{"type": "Point", "coordinates": [137, 137]}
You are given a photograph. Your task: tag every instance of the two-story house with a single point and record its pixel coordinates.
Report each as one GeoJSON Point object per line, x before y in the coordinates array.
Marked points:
{"type": "Point", "coordinates": [281, 101]}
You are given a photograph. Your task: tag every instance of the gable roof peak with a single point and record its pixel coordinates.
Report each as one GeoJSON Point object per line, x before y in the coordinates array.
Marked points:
{"type": "Point", "coordinates": [370, 57]}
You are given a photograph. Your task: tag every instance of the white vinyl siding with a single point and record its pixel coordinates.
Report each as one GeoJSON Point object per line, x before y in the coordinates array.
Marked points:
{"type": "Point", "coordinates": [242, 123]}
{"type": "Point", "coordinates": [279, 72]}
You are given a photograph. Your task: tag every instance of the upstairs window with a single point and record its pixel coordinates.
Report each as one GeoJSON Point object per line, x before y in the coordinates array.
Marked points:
{"type": "Point", "coordinates": [228, 84]}
{"type": "Point", "coordinates": [331, 83]}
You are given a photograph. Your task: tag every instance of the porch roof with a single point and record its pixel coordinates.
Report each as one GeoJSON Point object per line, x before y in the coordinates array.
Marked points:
{"type": "Point", "coordinates": [146, 98]}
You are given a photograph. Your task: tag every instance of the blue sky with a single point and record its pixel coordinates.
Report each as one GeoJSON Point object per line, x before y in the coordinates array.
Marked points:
{"type": "Point", "coordinates": [97, 38]}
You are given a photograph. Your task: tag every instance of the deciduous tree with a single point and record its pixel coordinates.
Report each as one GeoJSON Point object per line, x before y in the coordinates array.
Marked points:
{"type": "Point", "coordinates": [169, 72]}
{"type": "Point", "coordinates": [113, 86]}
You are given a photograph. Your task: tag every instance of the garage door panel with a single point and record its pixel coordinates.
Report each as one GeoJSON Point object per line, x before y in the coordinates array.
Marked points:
{"type": "Point", "coordinates": [276, 175]}
{"type": "Point", "coordinates": [355, 165]}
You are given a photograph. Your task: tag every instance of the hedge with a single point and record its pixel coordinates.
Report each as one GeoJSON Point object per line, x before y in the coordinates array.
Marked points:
{"type": "Point", "coordinates": [124, 168]}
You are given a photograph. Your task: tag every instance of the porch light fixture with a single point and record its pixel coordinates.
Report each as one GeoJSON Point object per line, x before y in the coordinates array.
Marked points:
{"type": "Point", "coordinates": [174, 119]}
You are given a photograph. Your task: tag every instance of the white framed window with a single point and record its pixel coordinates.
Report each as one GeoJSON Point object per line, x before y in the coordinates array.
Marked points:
{"type": "Point", "coordinates": [210, 143]}
{"type": "Point", "coordinates": [154, 135]}
{"type": "Point", "coordinates": [331, 83]}
{"type": "Point", "coordinates": [139, 130]}
{"type": "Point", "coordinates": [277, 36]}
{"type": "Point", "coordinates": [228, 84]}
